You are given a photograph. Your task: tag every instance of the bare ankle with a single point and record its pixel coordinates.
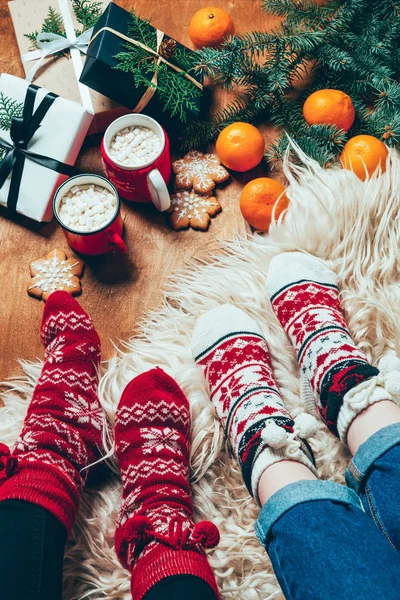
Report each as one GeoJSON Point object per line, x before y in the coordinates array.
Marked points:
{"type": "Point", "coordinates": [369, 421]}
{"type": "Point", "coordinates": [280, 474]}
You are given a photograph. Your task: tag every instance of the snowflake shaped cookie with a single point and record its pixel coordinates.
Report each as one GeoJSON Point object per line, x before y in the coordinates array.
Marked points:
{"type": "Point", "coordinates": [188, 209]}
{"type": "Point", "coordinates": [55, 272]}
{"type": "Point", "coordinates": [200, 171]}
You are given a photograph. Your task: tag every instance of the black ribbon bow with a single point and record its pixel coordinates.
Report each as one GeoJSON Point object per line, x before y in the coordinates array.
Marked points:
{"type": "Point", "coordinates": [21, 132]}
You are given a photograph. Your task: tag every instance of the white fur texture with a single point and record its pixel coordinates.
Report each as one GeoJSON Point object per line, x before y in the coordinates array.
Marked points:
{"type": "Point", "coordinates": [352, 225]}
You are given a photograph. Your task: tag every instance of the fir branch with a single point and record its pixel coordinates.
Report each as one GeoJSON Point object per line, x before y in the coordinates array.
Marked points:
{"type": "Point", "coordinates": [200, 133]}
{"type": "Point", "coordinates": [352, 45]}
{"type": "Point", "coordinates": [9, 108]}
{"type": "Point", "coordinates": [142, 30]}
{"type": "Point", "coordinates": [87, 12]}
{"type": "Point", "coordinates": [185, 59]}
{"type": "Point", "coordinates": [53, 22]}
{"type": "Point", "coordinates": [176, 93]}
{"type": "Point", "coordinates": [177, 97]}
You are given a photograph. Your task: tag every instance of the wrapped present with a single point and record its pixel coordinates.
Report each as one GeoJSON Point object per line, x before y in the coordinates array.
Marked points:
{"type": "Point", "coordinates": [144, 69]}
{"type": "Point", "coordinates": [58, 63]}
{"type": "Point", "coordinates": [40, 138]}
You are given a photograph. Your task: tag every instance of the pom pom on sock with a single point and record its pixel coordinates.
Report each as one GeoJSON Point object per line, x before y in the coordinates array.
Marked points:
{"type": "Point", "coordinates": [389, 362]}
{"type": "Point", "coordinates": [273, 435]}
{"type": "Point", "coordinates": [138, 530]}
{"type": "Point", "coordinates": [206, 534]}
{"type": "Point", "coordinates": [305, 425]}
{"type": "Point", "coordinates": [389, 373]}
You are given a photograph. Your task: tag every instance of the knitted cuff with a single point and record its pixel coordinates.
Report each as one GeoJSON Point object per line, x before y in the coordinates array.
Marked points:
{"type": "Point", "coordinates": [385, 386]}
{"type": "Point", "coordinates": [46, 488]}
{"type": "Point", "coordinates": [163, 562]}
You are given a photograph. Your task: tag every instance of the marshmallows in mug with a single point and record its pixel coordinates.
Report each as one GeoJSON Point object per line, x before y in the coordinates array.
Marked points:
{"type": "Point", "coordinates": [134, 146]}
{"type": "Point", "coordinates": [87, 207]}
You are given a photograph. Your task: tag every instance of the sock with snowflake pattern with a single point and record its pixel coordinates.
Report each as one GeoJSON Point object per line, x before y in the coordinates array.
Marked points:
{"type": "Point", "coordinates": [229, 347]}
{"type": "Point", "coordinates": [155, 536]}
{"type": "Point", "coordinates": [335, 374]}
{"type": "Point", "coordinates": [62, 432]}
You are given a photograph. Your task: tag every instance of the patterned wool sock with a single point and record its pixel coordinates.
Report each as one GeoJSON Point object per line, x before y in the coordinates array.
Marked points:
{"type": "Point", "coordinates": [335, 374]}
{"type": "Point", "coordinates": [62, 432]}
{"type": "Point", "coordinates": [155, 536]}
{"type": "Point", "coordinates": [231, 350]}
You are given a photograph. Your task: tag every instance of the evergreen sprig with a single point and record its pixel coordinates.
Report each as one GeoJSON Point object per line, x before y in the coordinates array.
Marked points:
{"type": "Point", "coordinates": [87, 13]}
{"type": "Point", "coordinates": [177, 94]}
{"type": "Point", "coordinates": [351, 45]}
{"type": "Point", "coordinates": [9, 108]}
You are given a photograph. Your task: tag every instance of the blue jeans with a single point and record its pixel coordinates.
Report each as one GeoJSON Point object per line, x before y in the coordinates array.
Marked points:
{"type": "Point", "coordinates": [331, 542]}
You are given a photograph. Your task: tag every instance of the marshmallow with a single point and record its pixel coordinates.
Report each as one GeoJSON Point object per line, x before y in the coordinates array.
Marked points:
{"type": "Point", "coordinates": [87, 208]}
{"type": "Point", "coordinates": [135, 146]}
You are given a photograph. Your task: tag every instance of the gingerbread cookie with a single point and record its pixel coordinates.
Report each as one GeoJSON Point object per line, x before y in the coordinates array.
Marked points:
{"type": "Point", "coordinates": [200, 171]}
{"type": "Point", "coordinates": [55, 272]}
{"type": "Point", "coordinates": [188, 209]}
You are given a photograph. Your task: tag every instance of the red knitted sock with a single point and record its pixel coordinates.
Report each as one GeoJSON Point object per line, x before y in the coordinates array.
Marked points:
{"type": "Point", "coordinates": [62, 431]}
{"type": "Point", "coordinates": [155, 536]}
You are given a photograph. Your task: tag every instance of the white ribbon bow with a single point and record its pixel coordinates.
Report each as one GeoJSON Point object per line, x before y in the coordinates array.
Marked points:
{"type": "Point", "coordinates": [51, 43]}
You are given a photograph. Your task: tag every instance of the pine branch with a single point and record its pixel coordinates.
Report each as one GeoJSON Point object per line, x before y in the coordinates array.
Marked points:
{"type": "Point", "coordinates": [9, 108]}
{"type": "Point", "coordinates": [200, 133]}
{"type": "Point", "coordinates": [142, 30]}
{"type": "Point", "coordinates": [53, 23]}
{"type": "Point", "coordinates": [352, 45]}
{"type": "Point", "coordinates": [178, 98]}
{"type": "Point", "coordinates": [87, 12]}
{"type": "Point", "coordinates": [177, 94]}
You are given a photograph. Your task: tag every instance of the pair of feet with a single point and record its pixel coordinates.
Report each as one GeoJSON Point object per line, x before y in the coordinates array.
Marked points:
{"type": "Point", "coordinates": [155, 534]}
{"type": "Point", "coordinates": [336, 377]}
{"type": "Point", "coordinates": [62, 437]}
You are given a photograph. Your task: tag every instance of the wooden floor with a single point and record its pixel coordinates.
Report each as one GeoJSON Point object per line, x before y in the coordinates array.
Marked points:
{"type": "Point", "coordinates": [116, 291]}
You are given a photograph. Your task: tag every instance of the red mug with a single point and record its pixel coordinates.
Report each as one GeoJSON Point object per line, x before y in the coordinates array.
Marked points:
{"type": "Point", "coordinates": [98, 241]}
{"type": "Point", "coordinates": [144, 183]}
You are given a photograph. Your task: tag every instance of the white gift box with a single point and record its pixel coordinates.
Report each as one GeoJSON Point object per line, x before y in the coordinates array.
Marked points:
{"type": "Point", "coordinates": [60, 137]}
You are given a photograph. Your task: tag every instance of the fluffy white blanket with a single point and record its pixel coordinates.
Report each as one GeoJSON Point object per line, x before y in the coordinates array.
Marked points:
{"type": "Point", "coordinates": [355, 227]}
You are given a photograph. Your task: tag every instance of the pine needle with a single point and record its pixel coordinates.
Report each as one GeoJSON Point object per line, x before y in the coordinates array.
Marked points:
{"type": "Point", "coordinates": [351, 45]}
{"type": "Point", "coordinates": [177, 94]}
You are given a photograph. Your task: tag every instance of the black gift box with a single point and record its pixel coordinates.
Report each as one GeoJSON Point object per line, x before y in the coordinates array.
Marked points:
{"type": "Point", "coordinates": [100, 74]}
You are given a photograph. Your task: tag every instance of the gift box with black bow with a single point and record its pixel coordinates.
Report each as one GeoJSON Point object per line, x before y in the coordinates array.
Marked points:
{"type": "Point", "coordinates": [142, 68]}
{"type": "Point", "coordinates": [40, 138]}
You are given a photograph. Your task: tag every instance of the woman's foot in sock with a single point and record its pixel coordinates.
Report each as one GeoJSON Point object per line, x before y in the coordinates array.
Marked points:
{"type": "Point", "coordinates": [62, 432]}
{"type": "Point", "coordinates": [155, 536]}
{"type": "Point", "coordinates": [335, 374]}
{"type": "Point", "coordinates": [230, 348]}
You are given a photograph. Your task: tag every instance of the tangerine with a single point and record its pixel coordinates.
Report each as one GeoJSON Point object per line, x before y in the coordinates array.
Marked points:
{"type": "Point", "coordinates": [261, 200]}
{"type": "Point", "coordinates": [240, 146]}
{"type": "Point", "coordinates": [210, 26]}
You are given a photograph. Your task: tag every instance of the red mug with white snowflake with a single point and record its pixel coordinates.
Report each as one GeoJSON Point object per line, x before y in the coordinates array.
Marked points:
{"type": "Point", "coordinates": [136, 158]}
{"type": "Point", "coordinates": [88, 209]}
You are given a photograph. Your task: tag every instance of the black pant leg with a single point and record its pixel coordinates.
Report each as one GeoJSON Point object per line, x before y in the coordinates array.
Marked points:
{"type": "Point", "coordinates": [181, 587]}
{"type": "Point", "coordinates": [32, 543]}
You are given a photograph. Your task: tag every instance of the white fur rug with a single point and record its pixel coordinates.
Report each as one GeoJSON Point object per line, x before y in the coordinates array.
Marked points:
{"type": "Point", "coordinates": [355, 227]}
